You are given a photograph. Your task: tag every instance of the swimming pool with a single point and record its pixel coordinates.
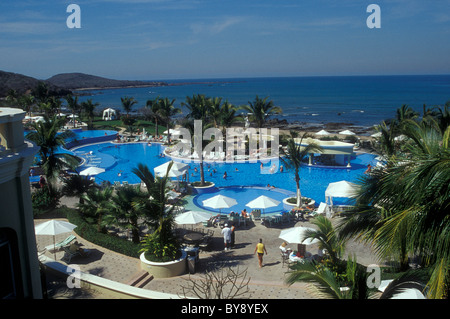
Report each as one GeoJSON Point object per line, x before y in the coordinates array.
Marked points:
{"type": "Point", "coordinates": [120, 159]}
{"type": "Point", "coordinates": [82, 137]}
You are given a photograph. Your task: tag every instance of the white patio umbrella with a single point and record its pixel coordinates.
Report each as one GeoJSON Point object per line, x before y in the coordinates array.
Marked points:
{"type": "Point", "coordinates": [409, 293]}
{"type": "Point", "coordinates": [93, 170]}
{"type": "Point", "coordinates": [54, 227]}
{"type": "Point", "coordinates": [347, 132]}
{"type": "Point", "coordinates": [172, 131]}
{"type": "Point", "coordinates": [263, 202]}
{"type": "Point", "coordinates": [177, 169]}
{"type": "Point", "coordinates": [192, 217]}
{"type": "Point", "coordinates": [323, 132]}
{"type": "Point", "coordinates": [219, 202]}
{"type": "Point", "coordinates": [340, 189]}
{"type": "Point", "coordinates": [297, 235]}
{"type": "Point", "coordinates": [378, 134]}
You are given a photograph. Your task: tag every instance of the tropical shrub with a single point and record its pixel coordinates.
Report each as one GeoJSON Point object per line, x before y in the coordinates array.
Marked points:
{"type": "Point", "coordinates": [42, 199]}
{"type": "Point", "coordinates": [156, 250]}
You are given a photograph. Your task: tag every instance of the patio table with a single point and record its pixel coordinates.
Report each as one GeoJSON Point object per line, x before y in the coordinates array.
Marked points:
{"type": "Point", "coordinates": [193, 237]}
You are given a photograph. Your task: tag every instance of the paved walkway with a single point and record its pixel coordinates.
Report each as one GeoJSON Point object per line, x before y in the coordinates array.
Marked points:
{"type": "Point", "coordinates": [267, 282]}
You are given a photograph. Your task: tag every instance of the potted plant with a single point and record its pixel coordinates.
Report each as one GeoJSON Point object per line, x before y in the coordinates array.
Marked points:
{"type": "Point", "coordinates": [161, 253]}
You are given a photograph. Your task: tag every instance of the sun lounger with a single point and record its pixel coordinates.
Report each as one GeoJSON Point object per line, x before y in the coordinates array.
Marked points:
{"type": "Point", "coordinates": [61, 244]}
{"type": "Point", "coordinates": [68, 254]}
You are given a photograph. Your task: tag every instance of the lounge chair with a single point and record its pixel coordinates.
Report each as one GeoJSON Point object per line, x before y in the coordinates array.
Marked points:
{"type": "Point", "coordinates": [61, 244]}
{"type": "Point", "coordinates": [285, 258]}
{"type": "Point", "coordinates": [68, 254]}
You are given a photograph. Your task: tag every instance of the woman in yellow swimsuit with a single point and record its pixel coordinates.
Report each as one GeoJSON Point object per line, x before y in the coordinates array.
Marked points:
{"type": "Point", "coordinates": [260, 249]}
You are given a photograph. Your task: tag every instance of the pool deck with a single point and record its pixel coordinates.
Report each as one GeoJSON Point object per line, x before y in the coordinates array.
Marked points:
{"type": "Point", "coordinates": [267, 282]}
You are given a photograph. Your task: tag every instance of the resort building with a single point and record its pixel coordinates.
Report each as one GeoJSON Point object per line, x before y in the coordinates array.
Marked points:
{"type": "Point", "coordinates": [19, 266]}
{"type": "Point", "coordinates": [333, 153]}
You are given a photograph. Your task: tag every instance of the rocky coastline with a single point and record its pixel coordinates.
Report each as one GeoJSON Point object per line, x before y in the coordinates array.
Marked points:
{"type": "Point", "coordinates": [332, 127]}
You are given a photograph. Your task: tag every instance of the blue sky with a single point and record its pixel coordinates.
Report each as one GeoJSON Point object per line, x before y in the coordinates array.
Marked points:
{"type": "Point", "coordinates": [176, 39]}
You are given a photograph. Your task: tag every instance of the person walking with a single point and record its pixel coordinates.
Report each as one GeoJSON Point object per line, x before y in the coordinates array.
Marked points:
{"type": "Point", "coordinates": [260, 249]}
{"type": "Point", "coordinates": [226, 232]}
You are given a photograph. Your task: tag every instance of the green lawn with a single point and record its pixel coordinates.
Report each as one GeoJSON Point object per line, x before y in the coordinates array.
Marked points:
{"type": "Point", "coordinates": [149, 126]}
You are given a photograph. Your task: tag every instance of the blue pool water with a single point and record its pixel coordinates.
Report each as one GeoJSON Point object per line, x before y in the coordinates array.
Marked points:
{"type": "Point", "coordinates": [122, 158]}
{"type": "Point", "coordinates": [80, 134]}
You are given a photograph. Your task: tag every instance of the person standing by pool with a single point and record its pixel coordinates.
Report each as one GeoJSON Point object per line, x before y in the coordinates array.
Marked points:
{"type": "Point", "coordinates": [226, 232]}
{"type": "Point", "coordinates": [260, 249]}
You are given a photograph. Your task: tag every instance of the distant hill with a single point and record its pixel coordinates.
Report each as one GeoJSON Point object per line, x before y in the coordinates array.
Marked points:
{"type": "Point", "coordinates": [63, 84]}
{"type": "Point", "coordinates": [76, 81]}
{"type": "Point", "coordinates": [21, 83]}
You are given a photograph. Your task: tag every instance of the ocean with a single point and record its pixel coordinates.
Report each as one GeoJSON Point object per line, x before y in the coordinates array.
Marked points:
{"type": "Point", "coordinates": [355, 100]}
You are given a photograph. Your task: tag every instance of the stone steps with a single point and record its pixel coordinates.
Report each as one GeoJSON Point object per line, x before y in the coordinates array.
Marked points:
{"type": "Point", "coordinates": [140, 279]}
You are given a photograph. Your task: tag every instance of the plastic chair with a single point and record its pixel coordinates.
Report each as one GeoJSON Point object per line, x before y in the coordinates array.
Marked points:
{"type": "Point", "coordinates": [61, 244]}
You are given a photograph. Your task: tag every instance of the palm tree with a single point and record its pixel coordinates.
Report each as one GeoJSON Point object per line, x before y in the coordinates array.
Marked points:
{"type": "Point", "coordinates": [260, 110]}
{"type": "Point", "coordinates": [160, 218]}
{"type": "Point", "coordinates": [125, 213]}
{"type": "Point", "coordinates": [228, 116]}
{"type": "Point", "coordinates": [12, 96]}
{"type": "Point", "coordinates": [127, 104]}
{"type": "Point", "coordinates": [89, 108]}
{"type": "Point", "coordinates": [349, 275]}
{"type": "Point", "coordinates": [153, 105]}
{"type": "Point", "coordinates": [167, 111]}
{"type": "Point", "coordinates": [215, 112]}
{"type": "Point", "coordinates": [26, 101]}
{"type": "Point", "coordinates": [77, 185]}
{"type": "Point", "coordinates": [410, 198]}
{"type": "Point", "coordinates": [199, 107]}
{"type": "Point", "coordinates": [142, 171]}
{"type": "Point", "coordinates": [73, 105]}
{"type": "Point", "coordinates": [96, 204]}
{"type": "Point", "coordinates": [45, 135]}
{"type": "Point", "coordinates": [41, 92]}
{"type": "Point", "coordinates": [293, 158]}
{"type": "Point", "coordinates": [385, 145]}
{"type": "Point", "coordinates": [328, 238]}
{"type": "Point", "coordinates": [405, 112]}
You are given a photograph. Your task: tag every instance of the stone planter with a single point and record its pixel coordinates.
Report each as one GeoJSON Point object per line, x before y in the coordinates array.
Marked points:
{"type": "Point", "coordinates": [203, 189]}
{"type": "Point", "coordinates": [164, 269]}
{"type": "Point", "coordinates": [289, 206]}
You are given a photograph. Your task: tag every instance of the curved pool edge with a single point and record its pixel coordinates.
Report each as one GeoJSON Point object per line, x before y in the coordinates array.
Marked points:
{"type": "Point", "coordinates": [91, 140]}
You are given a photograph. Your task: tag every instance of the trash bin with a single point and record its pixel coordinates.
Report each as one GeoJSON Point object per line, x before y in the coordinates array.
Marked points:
{"type": "Point", "coordinates": [193, 252]}
{"type": "Point", "coordinates": [191, 261]}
